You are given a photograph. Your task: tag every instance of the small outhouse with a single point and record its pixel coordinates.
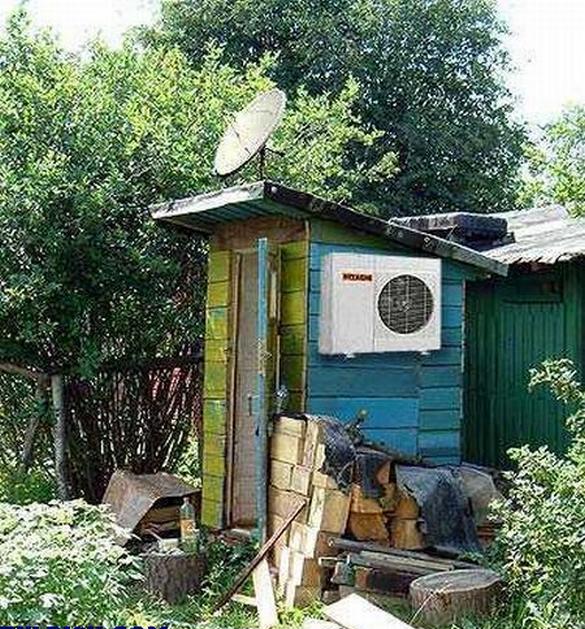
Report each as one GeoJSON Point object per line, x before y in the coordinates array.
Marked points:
{"type": "Point", "coordinates": [313, 307]}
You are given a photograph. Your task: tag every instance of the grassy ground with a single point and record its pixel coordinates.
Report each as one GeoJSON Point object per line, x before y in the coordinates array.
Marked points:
{"type": "Point", "coordinates": [224, 564]}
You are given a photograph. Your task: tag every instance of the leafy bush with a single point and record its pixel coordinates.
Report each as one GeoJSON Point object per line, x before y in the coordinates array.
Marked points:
{"type": "Point", "coordinates": [60, 563]}
{"type": "Point", "coordinates": [541, 548]}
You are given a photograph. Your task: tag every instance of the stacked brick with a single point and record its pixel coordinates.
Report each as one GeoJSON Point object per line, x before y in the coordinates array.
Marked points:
{"type": "Point", "coordinates": [297, 456]}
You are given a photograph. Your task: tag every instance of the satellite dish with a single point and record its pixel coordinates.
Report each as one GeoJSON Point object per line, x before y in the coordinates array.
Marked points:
{"type": "Point", "coordinates": [247, 134]}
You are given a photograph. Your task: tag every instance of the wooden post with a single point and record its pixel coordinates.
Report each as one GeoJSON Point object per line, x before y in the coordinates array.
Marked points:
{"type": "Point", "coordinates": [261, 410]}
{"type": "Point", "coordinates": [60, 437]}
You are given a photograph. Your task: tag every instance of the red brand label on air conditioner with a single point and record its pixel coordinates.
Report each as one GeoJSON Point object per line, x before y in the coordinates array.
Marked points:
{"type": "Point", "coordinates": [357, 277]}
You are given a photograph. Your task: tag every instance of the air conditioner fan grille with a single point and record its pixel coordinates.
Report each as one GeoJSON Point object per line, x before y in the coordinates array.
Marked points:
{"type": "Point", "coordinates": [405, 304]}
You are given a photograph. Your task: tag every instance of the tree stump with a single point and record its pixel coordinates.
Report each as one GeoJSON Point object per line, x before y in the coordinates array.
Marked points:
{"type": "Point", "coordinates": [443, 597]}
{"type": "Point", "coordinates": [173, 576]}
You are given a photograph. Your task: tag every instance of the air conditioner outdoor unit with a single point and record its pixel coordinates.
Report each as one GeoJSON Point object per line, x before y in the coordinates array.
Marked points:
{"type": "Point", "coordinates": [379, 303]}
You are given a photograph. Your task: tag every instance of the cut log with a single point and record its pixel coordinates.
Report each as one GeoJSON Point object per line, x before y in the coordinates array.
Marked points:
{"type": "Point", "coordinates": [173, 577]}
{"type": "Point", "coordinates": [406, 534]}
{"type": "Point", "coordinates": [368, 527]}
{"type": "Point", "coordinates": [440, 599]}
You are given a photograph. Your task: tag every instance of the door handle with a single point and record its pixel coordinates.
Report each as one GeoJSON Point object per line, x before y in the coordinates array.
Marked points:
{"type": "Point", "coordinates": [250, 406]}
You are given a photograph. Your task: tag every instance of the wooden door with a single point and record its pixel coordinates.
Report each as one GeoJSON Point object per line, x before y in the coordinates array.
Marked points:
{"type": "Point", "coordinates": [254, 382]}
{"type": "Point", "coordinates": [244, 471]}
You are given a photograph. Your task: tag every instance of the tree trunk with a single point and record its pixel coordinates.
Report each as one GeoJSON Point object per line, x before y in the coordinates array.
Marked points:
{"type": "Point", "coordinates": [173, 576]}
{"type": "Point", "coordinates": [60, 437]}
{"type": "Point", "coordinates": [34, 422]}
{"type": "Point", "coordinates": [442, 598]}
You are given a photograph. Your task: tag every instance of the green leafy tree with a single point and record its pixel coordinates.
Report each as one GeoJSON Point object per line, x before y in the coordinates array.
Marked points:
{"type": "Point", "coordinates": [556, 165]}
{"type": "Point", "coordinates": [87, 143]}
{"type": "Point", "coordinates": [431, 74]}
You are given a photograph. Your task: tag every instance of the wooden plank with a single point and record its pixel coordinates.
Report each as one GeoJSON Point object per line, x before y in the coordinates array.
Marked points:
{"type": "Point", "coordinates": [214, 465]}
{"type": "Point", "coordinates": [262, 553]}
{"type": "Point", "coordinates": [287, 448]}
{"type": "Point", "coordinates": [216, 324]}
{"type": "Point", "coordinates": [213, 488]}
{"type": "Point", "coordinates": [354, 612]}
{"type": "Point", "coordinates": [293, 307]}
{"type": "Point", "coordinates": [292, 250]}
{"type": "Point", "coordinates": [292, 368]}
{"type": "Point", "coordinates": [439, 443]}
{"type": "Point", "coordinates": [215, 380]}
{"type": "Point", "coordinates": [218, 266]}
{"type": "Point", "coordinates": [211, 512]}
{"type": "Point", "coordinates": [290, 426]}
{"type": "Point", "coordinates": [398, 412]}
{"type": "Point", "coordinates": [292, 339]}
{"type": "Point", "coordinates": [440, 398]}
{"type": "Point", "coordinates": [403, 440]}
{"type": "Point", "coordinates": [301, 480]}
{"type": "Point", "coordinates": [440, 420]}
{"type": "Point", "coordinates": [216, 351]}
{"type": "Point", "coordinates": [441, 376]}
{"type": "Point", "coordinates": [280, 474]}
{"type": "Point", "coordinates": [214, 417]}
{"type": "Point", "coordinates": [294, 275]}
{"type": "Point", "coordinates": [387, 383]}
{"type": "Point", "coordinates": [218, 294]}
{"type": "Point", "coordinates": [264, 595]}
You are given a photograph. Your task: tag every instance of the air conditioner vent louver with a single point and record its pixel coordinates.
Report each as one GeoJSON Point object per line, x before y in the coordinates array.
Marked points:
{"type": "Point", "coordinates": [405, 304]}
{"type": "Point", "coordinates": [379, 303]}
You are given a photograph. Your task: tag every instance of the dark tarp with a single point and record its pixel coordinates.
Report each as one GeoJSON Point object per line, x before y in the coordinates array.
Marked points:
{"type": "Point", "coordinates": [449, 525]}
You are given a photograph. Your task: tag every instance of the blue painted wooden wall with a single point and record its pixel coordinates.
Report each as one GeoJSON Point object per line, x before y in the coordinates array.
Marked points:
{"type": "Point", "coordinates": [413, 402]}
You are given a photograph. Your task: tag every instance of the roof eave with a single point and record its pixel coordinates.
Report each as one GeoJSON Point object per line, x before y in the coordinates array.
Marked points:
{"type": "Point", "coordinates": [177, 212]}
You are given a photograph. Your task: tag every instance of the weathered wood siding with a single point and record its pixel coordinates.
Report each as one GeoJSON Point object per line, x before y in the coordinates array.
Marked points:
{"type": "Point", "coordinates": [414, 402]}
{"type": "Point", "coordinates": [513, 325]}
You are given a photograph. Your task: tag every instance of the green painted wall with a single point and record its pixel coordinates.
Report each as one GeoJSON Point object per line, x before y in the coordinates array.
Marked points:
{"type": "Point", "coordinates": [512, 325]}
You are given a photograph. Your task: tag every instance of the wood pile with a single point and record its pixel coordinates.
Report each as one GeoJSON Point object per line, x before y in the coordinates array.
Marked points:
{"type": "Point", "coordinates": [344, 541]}
{"type": "Point", "coordinates": [162, 520]}
{"type": "Point", "coordinates": [297, 456]}
{"type": "Point", "coordinates": [385, 570]}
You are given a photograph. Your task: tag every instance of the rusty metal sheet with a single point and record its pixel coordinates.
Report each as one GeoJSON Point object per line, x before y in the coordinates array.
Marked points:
{"type": "Point", "coordinates": [131, 496]}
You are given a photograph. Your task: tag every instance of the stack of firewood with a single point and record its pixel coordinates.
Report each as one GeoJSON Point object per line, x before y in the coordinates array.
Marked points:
{"type": "Point", "coordinates": [391, 519]}
{"type": "Point", "coordinates": [297, 456]}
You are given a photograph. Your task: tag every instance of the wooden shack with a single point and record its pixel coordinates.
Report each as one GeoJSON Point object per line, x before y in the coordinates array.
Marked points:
{"type": "Point", "coordinates": [267, 248]}
{"type": "Point", "coordinates": [514, 323]}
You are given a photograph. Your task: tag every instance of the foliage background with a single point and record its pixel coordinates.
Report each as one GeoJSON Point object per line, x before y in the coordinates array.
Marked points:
{"type": "Point", "coordinates": [432, 77]}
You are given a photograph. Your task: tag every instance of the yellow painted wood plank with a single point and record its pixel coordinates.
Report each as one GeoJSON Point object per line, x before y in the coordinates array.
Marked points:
{"type": "Point", "coordinates": [215, 417]}
{"type": "Point", "coordinates": [215, 380]}
{"type": "Point", "coordinates": [218, 294]}
{"type": "Point", "coordinates": [292, 371]}
{"type": "Point", "coordinates": [219, 266]}
{"type": "Point", "coordinates": [214, 465]}
{"type": "Point", "coordinates": [292, 339]}
{"type": "Point", "coordinates": [216, 352]}
{"type": "Point", "coordinates": [212, 514]}
{"type": "Point", "coordinates": [294, 275]}
{"type": "Point", "coordinates": [213, 444]}
{"type": "Point", "coordinates": [293, 308]}
{"type": "Point", "coordinates": [213, 488]}
{"type": "Point", "coordinates": [216, 324]}
{"type": "Point", "coordinates": [291, 250]}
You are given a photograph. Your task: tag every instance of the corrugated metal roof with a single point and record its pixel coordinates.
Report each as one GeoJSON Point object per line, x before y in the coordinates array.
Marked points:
{"type": "Point", "coordinates": [546, 235]}
{"type": "Point", "coordinates": [203, 213]}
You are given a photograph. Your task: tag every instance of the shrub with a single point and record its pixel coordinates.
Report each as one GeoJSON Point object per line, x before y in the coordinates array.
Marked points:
{"type": "Point", "coordinates": [60, 565]}
{"type": "Point", "coordinates": [541, 547]}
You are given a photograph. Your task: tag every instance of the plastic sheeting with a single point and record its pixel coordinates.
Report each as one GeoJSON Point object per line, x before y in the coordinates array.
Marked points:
{"type": "Point", "coordinates": [446, 511]}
